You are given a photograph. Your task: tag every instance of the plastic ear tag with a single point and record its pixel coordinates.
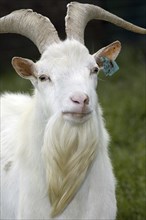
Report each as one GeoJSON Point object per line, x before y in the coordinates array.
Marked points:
{"type": "Point", "coordinates": [109, 66]}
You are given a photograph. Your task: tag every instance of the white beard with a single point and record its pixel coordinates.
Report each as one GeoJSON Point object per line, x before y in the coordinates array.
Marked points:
{"type": "Point", "coordinates": [68, 151]}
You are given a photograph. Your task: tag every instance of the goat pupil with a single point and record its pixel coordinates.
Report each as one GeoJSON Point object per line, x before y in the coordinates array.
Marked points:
{"type": "Point", "coordinates": [96, 70]}
{"type": "Point", "coordinates": [44, 78]}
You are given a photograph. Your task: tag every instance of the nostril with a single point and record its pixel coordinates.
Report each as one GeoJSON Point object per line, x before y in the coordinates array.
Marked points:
{"type": "Point", "coordinates": [75, 100]}
{"type": "Point", "coordinates": [86, 101]}
{"type": "Point", "coordinates": [81, 99]}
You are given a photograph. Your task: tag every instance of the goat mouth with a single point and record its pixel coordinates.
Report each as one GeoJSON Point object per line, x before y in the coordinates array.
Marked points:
{"type": "Point", "coordinates": [77, 114]}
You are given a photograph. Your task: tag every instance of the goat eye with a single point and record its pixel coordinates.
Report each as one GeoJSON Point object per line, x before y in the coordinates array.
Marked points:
{"type": "Point", "coordinates": [94, 70]}
{"type": "Point", "coordinates": [44, 78]}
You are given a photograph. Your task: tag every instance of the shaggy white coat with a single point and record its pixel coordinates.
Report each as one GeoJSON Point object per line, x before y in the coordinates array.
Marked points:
{"type": "Point", "coordinates": [27, 123]}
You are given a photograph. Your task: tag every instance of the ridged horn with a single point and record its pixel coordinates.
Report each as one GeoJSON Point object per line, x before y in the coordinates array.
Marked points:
{"type": "Point", "coordinates": [32, 25]}
{"type": "Point", "coordinates": [78, 15]}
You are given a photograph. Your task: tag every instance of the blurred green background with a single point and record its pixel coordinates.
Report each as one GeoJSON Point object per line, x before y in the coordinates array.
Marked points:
{"type": "Point", "coordinates": [122, 96]}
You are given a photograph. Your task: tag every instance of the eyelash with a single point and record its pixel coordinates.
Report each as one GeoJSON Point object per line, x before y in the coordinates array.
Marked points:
{"type": "Point", "coordinates": [44, 78]}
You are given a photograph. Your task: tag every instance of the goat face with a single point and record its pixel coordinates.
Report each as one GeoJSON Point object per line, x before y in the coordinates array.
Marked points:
{"type": "Point", "coordinates": [66, 78]}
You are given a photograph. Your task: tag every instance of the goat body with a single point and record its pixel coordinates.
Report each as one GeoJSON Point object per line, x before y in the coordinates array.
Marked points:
{"type": "Point", "coordinates": [27, 127]}
{"type": "Point", "coordinates": [24, 195]}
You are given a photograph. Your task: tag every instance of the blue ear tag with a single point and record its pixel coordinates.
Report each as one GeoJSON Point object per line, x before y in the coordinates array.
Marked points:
{"type": "Point", "coordinates": [109, 66]}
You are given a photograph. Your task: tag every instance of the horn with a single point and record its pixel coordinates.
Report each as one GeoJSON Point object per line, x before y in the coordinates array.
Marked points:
{"type": "Point", "coordinates": [78, 15]}
{"type": "Point", "coordinates": [34, 26]}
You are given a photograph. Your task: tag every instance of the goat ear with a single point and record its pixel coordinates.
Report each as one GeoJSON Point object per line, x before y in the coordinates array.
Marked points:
{"type": "Point", "coordinates": [24, 67]}
{"type": "Point", "coordinates": [110, 52]}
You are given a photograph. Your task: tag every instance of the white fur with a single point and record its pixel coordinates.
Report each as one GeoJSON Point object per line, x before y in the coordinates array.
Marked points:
{"type": "Point", "coordinates": [27, 124]}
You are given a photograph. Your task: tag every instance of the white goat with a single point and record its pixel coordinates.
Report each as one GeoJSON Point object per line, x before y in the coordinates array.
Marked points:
{"type": "Point", "coordinates": [55, 161]}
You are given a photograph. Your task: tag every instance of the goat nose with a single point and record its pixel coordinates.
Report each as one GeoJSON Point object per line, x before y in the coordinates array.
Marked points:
{"type": "Point", "coordinates": [80, 98]}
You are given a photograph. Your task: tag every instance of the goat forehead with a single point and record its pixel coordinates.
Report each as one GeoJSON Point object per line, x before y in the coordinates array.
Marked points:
{"type": "Point", "coordinates": [67, 47]}
{"type": "Point", "coordinates": [66, 56]}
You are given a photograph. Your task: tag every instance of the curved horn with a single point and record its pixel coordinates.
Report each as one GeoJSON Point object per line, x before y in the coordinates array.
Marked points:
{"type": "Point", "coordinates": [78, 15]}
{"type": "Point", "coordinates": [34, 26]}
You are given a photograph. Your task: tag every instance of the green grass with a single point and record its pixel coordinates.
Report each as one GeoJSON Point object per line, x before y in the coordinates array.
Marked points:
{"type": "Point", "coordinates": [123, 98]}
{"type": "Point", "coordinates": [11, 82]}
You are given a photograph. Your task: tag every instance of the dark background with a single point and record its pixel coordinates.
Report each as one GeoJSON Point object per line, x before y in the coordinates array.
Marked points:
{"type": "Point", "coordinates": [97, 34]}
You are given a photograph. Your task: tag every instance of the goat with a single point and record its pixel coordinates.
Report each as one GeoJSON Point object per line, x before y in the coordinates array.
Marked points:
{"type": "Point", "coordinates": [54, 144]}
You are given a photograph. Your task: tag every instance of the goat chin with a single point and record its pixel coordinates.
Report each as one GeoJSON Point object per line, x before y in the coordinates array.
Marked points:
{"type": "Point", "coordinates": [68, 153]}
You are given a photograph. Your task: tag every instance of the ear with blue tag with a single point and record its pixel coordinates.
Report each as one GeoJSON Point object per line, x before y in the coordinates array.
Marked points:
{"type": "Point", "coordinates": [105, 58]}
{"type": "Point", "coordinates": [109, 66]}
